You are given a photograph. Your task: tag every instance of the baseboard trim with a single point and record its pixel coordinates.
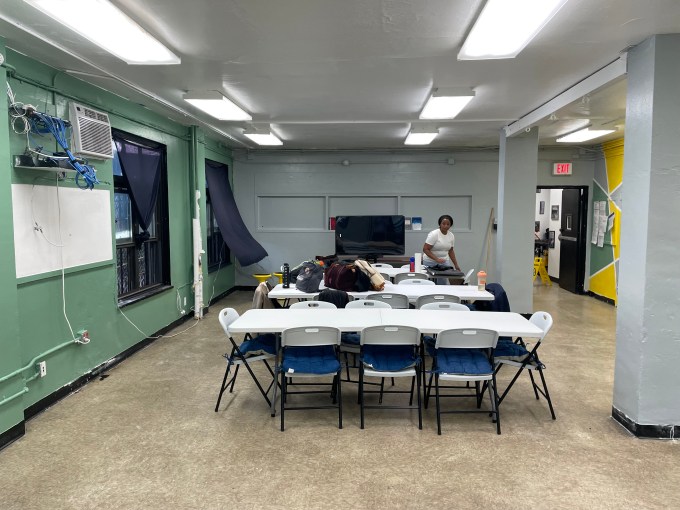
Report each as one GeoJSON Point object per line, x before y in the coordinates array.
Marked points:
{"type": "Point", "coordinates": [224, 294]}
{"type": "Point", "coordinates": [17, 431]}
{"type": "Point", "coordinates": [607, 300]}
{"type": "Point", "coordinates": [646, 431]}
{"type": "Point", "coordinates": [69, 388]}
{"type": "Point", "coordinates": [12, 434]}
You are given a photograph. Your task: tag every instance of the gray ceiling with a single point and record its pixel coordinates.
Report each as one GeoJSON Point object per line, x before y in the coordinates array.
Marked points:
{"type": "Point", "coordinates": [354, 74]}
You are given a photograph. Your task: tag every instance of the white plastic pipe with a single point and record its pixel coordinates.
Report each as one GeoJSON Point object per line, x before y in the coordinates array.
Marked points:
{"type": "Point", "coordinates": [198, 263]}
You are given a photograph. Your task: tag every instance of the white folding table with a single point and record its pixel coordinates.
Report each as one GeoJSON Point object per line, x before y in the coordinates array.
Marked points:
{"type": "Point", "coordinates": [427, 321]}
{"type": "Point", "coordinates": [413, 292]}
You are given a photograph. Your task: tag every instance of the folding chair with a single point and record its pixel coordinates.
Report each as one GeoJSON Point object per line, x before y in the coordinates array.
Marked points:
{"type": "Point", "coordinates": [416, 281]}
{"type": "Point", "coordinates": [517, 354]}
{"type": "Point", "coordinates": [382, 264]}
{"type": "Point", "coordinates": [394, 300]}
{"type": "Point", "coordinates": [350, 341]}
{"type": "Point", "coordinates": [390, 351]}
{"type": "Point", "coordinates": [252, 349]}
{"type": "Point", "coordinates": [465, 355]}
{"type": "Point", "coordinates": [436, 298]}
{"type": "Point", "coordinates": [310, 352]}
{"type": "Point", "coordinates": [428, 341]}
{"type": "Point", "coordinates": [399, 277]}
{"type": "Point", "coordinates": [312, 304]}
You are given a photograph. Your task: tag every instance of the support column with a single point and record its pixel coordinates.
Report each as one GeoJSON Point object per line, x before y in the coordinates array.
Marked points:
{"type": "Point", "coordinates": [517, 177]}
{"type": "Point", "coordinates": [647, 374]}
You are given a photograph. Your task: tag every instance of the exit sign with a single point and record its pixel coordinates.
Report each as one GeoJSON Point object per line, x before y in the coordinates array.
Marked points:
{"type": "Point", "coordinates": [562, 169]}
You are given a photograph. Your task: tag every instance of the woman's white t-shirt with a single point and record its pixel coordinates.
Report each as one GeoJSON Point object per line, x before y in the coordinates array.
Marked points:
{"type": "Point", "coordinates": [441, 244]}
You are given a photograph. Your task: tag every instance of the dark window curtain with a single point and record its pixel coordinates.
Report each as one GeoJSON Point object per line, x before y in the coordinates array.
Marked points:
{"type": "Point", "coordinates": [244, 247]}
{"type": "Point", "coordinates": [141, 167]}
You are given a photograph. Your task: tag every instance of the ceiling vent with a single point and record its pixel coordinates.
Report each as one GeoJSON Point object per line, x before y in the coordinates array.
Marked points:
{"type": "Point", "coordinates": [91, 132]}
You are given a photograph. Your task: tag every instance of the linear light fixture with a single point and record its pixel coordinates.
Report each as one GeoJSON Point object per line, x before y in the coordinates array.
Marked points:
{"type": "Point", "coordinates": [505, 27]}
{"type": "Point", "coordinates": [108, 27]}
{"type": "Point", "coordinates": [583, 135]}
{"type": "Point", "coordinates": [446, 103]}
{"type": "Point", "coordinates": [263, 138]}
{"type": "Point", "coordinates": [215, 104]}
{"type": "Point", "coordinates": [421, 136]}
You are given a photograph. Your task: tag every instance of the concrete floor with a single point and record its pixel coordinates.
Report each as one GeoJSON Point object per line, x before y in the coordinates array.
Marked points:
{"type": "Point", "coordinates": [147, 437]}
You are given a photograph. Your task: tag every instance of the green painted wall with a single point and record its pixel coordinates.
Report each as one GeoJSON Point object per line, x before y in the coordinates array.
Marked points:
{"type": "Point", "coordinates": [32, 306]}
{"type": "Point", "coordinates": [11, 413]}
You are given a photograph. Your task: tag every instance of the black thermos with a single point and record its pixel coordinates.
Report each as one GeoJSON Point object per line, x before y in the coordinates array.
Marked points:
{"type": "Point", "coordinates": [286, 276]}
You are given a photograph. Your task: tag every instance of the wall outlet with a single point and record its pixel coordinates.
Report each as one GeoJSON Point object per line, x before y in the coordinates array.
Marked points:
{"type": "Point", "coordinates": [43, 368]}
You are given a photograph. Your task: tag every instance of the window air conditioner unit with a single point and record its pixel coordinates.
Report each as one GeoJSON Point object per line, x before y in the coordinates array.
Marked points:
{"type": "Point", "coordinates": [91, 132]}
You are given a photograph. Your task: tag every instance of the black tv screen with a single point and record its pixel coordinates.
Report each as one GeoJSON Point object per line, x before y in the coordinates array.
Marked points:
{"type": "Point", "coordinates": [368, 236]}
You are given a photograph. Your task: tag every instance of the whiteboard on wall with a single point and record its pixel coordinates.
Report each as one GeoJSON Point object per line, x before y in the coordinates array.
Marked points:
{"type": "Point", "coordinates": [83, 236]}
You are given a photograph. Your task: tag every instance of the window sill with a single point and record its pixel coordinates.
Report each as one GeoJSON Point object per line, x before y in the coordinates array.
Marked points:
{"type": "Point", "coordinates": [135, 298]}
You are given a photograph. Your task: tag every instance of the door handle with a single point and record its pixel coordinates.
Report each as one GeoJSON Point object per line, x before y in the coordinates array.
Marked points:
{"type": "Point", "coordinates": [566, 238]}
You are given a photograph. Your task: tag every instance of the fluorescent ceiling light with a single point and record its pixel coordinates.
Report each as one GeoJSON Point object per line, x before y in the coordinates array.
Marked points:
{"type": "Point", "coordinates": [583, 135]}
{"type": "Point", "coordinates": [109, 28]}
{"type": "Point", "coordinates": [215, 104]}
{"type": "Point", "coordinates": [264, 138]}
{"type": "Point", "coordinates": [505, 27]}
{"type": "Point", "coordinates": [421, 138]}
{"type": "Point", "coordinates": [446, 103]}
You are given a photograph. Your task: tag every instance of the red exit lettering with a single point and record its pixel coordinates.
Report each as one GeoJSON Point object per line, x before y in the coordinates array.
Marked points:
{"type": "Point", "coordinates": [562, 169]}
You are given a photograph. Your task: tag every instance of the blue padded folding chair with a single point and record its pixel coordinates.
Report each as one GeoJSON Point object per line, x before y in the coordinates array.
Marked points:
{"type": "Point", "coordinates": [350, 341]}
{"type": "Point", "coordinates": [427, 345]}
{"type": "Point", "coordinates": [520, 355]}
{"type": "Point", "coordinates": [465, 355]}
{"type": "Point", "coordinates": [252, 349]}
{"type": "Point", "coordinates": [310, 352]}
{"type": "Point", "coordinates": [390, 351]}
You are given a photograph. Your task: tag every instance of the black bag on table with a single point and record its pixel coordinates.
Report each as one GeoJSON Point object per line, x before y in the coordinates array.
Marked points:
{"type": "Point", "coordinates": [309, 277]}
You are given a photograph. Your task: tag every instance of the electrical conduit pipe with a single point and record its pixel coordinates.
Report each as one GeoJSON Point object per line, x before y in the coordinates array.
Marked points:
{"type": "Point", "coordinates": [30, 364]}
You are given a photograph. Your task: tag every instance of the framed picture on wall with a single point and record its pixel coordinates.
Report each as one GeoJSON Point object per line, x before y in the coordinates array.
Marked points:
{"type": "Point", "coordinates": [555, 212]}
{"type": "Point", "coordinates": [541, 207]}
{"type": "Point", "coordinates": [551, 238]}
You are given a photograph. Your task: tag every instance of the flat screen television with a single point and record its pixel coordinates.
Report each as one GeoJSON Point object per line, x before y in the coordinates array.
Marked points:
{"type": "Point", "coordinates": [369, 236]}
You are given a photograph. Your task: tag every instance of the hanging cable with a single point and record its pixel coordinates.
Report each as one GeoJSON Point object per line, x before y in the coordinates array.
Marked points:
{"type": "Point", "coordinates": [42, 123]}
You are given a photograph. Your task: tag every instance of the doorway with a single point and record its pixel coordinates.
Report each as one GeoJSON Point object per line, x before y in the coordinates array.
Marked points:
{"type": "Point", "coordinates": [561, 221]}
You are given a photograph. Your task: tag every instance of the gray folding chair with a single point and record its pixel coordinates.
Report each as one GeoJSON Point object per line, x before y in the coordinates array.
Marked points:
{"type": "Point", "coordinates": [312, 305]}
{"type": "Point", "coordinates": [393, 299]}
{"type": "Point", "coordinates": [416, 281]}
{"type": "Point", "coordinates": [408, 276]}
{"type": "Point", "coordinates": [350, 343]}
{"type": "Point", "coordinates": [520, 355]}
{"type": "Point", "coordinates": [252, 349]}
{"type": "Point", "coordinates": [465, 355]}
{"type": "Point", "coordinates": [310, 352]}
{"type": "Point", "coordinates": [390, 351]}
{"type": "Point", "coordinates": [436, 298]}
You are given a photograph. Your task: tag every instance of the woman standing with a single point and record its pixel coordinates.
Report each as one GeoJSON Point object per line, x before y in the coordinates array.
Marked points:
{"type": "Point", "coordinates": [438, 247]}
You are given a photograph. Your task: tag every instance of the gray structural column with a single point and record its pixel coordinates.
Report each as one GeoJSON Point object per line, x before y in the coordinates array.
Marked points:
{"type": "Point", "coordinates": [517, 176]}
{"type": "Point", "coordinates": [647, 372]}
